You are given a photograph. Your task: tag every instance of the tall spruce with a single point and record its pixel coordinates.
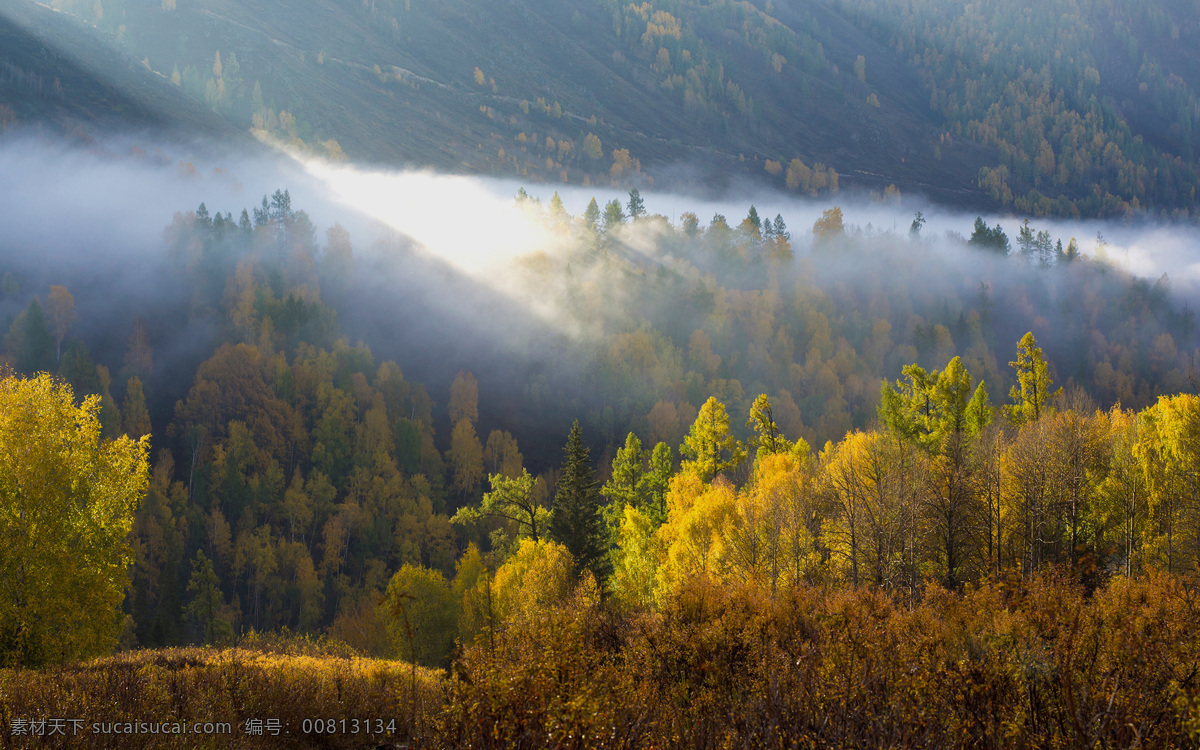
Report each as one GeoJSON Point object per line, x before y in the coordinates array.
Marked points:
{"type": "Point", "coordinates": [576, 521]}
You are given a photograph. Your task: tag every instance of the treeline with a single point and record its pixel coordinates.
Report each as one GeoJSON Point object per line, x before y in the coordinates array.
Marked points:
{"type": "Point", "coordinates": [945, 489]}
{"type": "Point", "coordinates": [733, 308]}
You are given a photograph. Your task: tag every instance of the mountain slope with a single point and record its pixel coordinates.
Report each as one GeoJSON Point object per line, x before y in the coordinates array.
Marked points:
{"type": "Point", "coordinates": [980, 105]}
{"type": "Point", "coordinates": [56, 73]}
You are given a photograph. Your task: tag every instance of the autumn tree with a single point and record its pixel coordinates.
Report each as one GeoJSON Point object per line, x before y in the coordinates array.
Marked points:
{"type": "Point", "coordinates": [710, 447]}
{"type": "Point", "coordinates": [60, 309]}
{"type": "Point", "coordinates": [829, 226]}
{"type": "Point", "coordinates": [423, 617]}
{"type": "Point", "coordinates": [1032, 392]}
{"type": "Point", "coordinates": [139, 355]}
{"type": "Point", "coordinates": [769, 441]}
{"type": "Point", "coordinates": [464, 399]}
{"type": "Point", "coordinates": [941, 413]}
{"type": "Point", "coordinates": [67, 501]}
{"type": "Point", "coordinates": [466, 458]}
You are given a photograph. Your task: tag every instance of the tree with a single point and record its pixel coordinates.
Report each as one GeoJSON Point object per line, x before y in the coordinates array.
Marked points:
{"type": "Point", "coordinates": [709, 445]}
{"type": "Point", "coordinates": [1026, 241]}
{"type": "Point", "coordinates": [421, 599]}
{"type": "Point", "coordinates": [576, 521]}
{"type": "Point", "coordinates": [31, 342]}
{"type": "Point", "coordinates": [762, 421]}
{"type": "Point", "coordinates": [914, 230]}
{"type": "Point", "coordinates": [60, 307]}
{"type": "Point", "coordinates": [989, 239]}
{"type": "Point", "coordinates": [67, 501]}
{"type": "Point", "coordinates": [139, 356]}
{"type": "Point", "coordinates": [656, 481]}
{"type": "Point", "coordinates": [591, 215]}
{"type": "Point", "coordinates": [464, 399]}
{"type": "Point", "coordinates": [625, 486]}
{"type": "Point", "coordinates": [1032, 391]}
{"type": "Point", "coordinates": [613, 215]}
{"type": "Point", "coordinates": [207, 600]}
{"type": "Point", "coordinates": [637, 207]}
{"type": "Point", "coordinates": [592, 148]}
{"type": "Point", "coordinates": [511, 499]}
{"type": "Point", "coordinates": [466, 456]}
{"type": "Point", "coordinates": [829, 225]}
{"type": "Point", "coordinates": [79, 370]}
{"type": "Point", "coordinates": [135, 417]}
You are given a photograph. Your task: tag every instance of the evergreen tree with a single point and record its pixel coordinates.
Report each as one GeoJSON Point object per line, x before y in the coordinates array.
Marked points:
{"type": "Point", "coordinates": [613, 215]}
{"type": "Point", "coordinates": [591, 215]}
{"type": "Point", "coordinates": [655, 482]}
{"type": "Point", "coordinates": [710, 446]}
{"type": "Point", "coordinates": [624, 488]}
{"type": "Point", "coordinates": [207, 598]}
{"type": "Point", "coordinates": [780, 229]}
{"type": "Point", "coordinates": [914, 230]}
{"type": "Point", "coordinates": [576, 521]}
{"type": "Point", "coordinates": [637, 207]}
{"type": "Point", "coordinates": [989, 239]}
{"type": "Point", "coordinates": [79, 370]}
{"type": "Point", "coordinates": [1026, 241]}
{"type": "Point", "coordinates": [753, 220]}
{"type": "Point", "coordinates": [36, 353]}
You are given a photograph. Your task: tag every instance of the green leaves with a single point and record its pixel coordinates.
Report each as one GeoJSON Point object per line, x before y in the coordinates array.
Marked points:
{"type": "Point", "coordinates": [933, 407]}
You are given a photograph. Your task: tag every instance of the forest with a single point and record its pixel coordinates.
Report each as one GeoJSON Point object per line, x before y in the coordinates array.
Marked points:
{"type": "Point", "coordinates": [793, 446]}
{"type": "Point", "coordinates": [1065, 109]}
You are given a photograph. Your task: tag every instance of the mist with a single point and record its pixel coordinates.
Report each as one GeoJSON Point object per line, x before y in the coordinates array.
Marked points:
{"type": "Point", "coordinates": [451, 273]}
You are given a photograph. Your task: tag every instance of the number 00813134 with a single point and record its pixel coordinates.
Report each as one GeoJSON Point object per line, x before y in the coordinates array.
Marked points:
{"type": "Point", "coordinates": [348, 726]}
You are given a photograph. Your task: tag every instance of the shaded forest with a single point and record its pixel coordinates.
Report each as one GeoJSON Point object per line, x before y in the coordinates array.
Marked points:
{"type": "Point", "coordinates": [294, 473]}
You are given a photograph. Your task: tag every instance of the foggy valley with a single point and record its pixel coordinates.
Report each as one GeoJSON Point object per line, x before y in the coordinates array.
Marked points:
{"type": "Point", "coordinates": [757, 374]}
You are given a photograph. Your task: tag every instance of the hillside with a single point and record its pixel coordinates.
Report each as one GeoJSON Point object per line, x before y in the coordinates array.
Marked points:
{"type": "Point", "coordinates": [815, 97]}
{"type": "Point", "coordinates": [56, 74]}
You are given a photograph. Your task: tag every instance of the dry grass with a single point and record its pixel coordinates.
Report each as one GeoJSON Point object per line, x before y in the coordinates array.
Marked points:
{"type": "Point", "coordinates": [232, 685]}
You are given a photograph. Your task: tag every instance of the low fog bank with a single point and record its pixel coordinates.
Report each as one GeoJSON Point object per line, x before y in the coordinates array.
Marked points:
{"type": "Point", "coordinates": [451, 273]}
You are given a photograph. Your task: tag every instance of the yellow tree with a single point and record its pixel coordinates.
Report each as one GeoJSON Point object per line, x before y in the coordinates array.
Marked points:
{"type": "Point", "coordinates": [701, 517]}
{"type": "Point", "coordinates": [1122, 495]}
{"type": "Point", "coordinates": [709, 447]}
{"type": "Point", "coordinates": [67, 501]}
{"type": "Point", "coordinates": [1032, 392]}
{"type": "Point", "coordinates": [1168, 450]}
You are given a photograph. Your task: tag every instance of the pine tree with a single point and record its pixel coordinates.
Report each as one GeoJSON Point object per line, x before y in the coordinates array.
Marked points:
{"type": "Point", "coordinates": [613, 215]}
{"type": "Point", "coordinates": [637, 207]}
{"type": "Point", "coordinates": [36, 353]}
{"type": "Point", "coordinates": [591, 215]}
{"type": "Point", "coordinates": [576, 521]}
